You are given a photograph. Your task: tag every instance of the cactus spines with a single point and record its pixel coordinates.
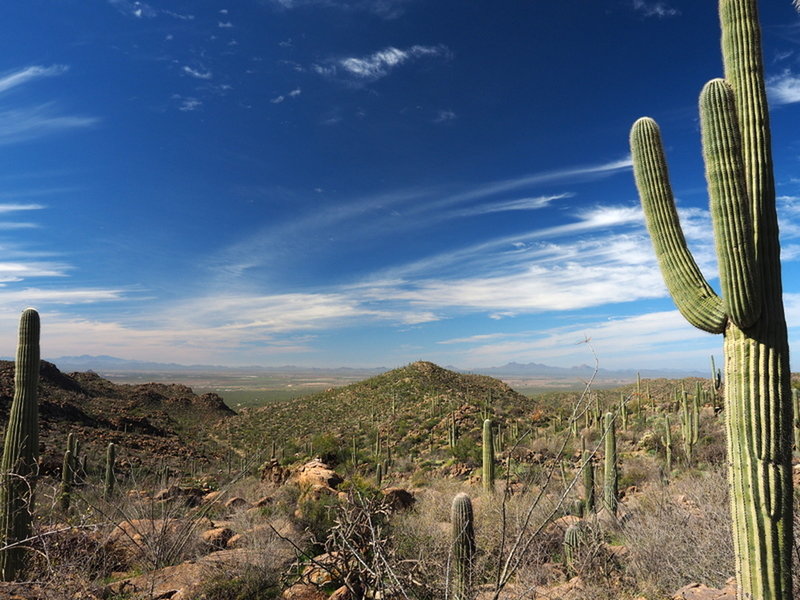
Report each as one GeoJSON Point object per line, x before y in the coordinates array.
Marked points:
{"type": "Point", "coordinates": [109, 478]}
{"type": "Point", "coordinates": [610, 474]}
{"type": "Point", "coordinates": [588, 479]}
{"type": "Point", "coordinates": [463, 540]}
{"type": "Point", "coordinates": [18, 467]}
{"type": "Point", "coordinates": [738, 156]}
{"type": "Point", "coordinates": [488, 456]}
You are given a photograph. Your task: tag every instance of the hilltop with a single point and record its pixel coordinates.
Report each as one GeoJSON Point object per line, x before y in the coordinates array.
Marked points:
{"type": "Point", "coordinates": [410, 409]}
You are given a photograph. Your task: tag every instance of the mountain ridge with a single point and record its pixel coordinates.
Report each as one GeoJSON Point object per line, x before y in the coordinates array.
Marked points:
{"type": "Point", "coordinates": [511, 369]}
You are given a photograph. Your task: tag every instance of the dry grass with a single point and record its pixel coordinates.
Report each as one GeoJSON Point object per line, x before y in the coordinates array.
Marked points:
{"type": "Point", "coordinates": [681, 533]}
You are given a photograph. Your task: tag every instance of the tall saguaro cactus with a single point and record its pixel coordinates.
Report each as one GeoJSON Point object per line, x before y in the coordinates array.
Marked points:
{"type": "Point", "coordinates": [738, 157]}
{"type": "Point", "coordinates": [20, 451]}
{"type": "Point", "coordinates": [610, 473]}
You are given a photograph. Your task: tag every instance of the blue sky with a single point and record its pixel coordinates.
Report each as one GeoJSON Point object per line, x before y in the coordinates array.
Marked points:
{"type": "Point", "coordinates": [361, 182]}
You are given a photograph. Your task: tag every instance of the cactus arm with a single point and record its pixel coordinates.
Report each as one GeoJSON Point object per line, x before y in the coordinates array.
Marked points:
{"type": "Point", "coordinates": [730, 212]}
{"type": "Point", "coordinates": [691, 293]}
{"type": "Point", "coordinates": [744, 70]}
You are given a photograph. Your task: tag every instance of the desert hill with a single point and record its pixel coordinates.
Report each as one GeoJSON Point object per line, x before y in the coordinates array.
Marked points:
{"type": "Point", "coordinates": [166, 420]}
{"type": "Point", "coordinates": [410, 409]}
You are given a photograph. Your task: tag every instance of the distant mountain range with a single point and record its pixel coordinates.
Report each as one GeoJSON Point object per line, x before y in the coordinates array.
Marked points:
{"type": "Point", "coordinates": [513, 369]}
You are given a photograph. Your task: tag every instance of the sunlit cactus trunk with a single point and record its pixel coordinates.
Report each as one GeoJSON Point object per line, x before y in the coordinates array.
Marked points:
{"type": "Point", "coordinates": [488, 456]}
{"type": "Point", "coordinates": [19, 465]}
{"type": "Point", "coordinates": [736, 146]}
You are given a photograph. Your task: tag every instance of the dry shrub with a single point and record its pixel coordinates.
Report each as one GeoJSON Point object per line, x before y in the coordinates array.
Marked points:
{"type": "Point", "coordinates": [638, 471]}
{"type": "Point", "coordinates": [681, 533]}
{"type": "Point", "coordinates": [517, 528]}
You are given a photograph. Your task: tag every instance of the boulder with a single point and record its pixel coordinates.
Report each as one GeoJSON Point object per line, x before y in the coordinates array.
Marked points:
{"type": "Point", "coordinates": [317, 473]}
{"type": "Point", "coordinates": [236, 503]}
{"type": "Point", "coordinates": [217, 537]}
{"type": "Point", "coordinates": [398, 498]}
{"type": "Point", "coordinates": [700, 591]}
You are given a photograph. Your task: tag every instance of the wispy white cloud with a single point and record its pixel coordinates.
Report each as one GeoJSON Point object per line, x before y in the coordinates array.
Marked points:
{"type": "Point", "coordinates": [21, 124]}
{"type": "Point", "coordinates": [134, 8]}
{"type": "Point", "coordinates": [189, 104]}
{"type": "Point", "coordinates": [293, 94]}
{"type": "Point", "coordinates": [403, 210]}
{"type": "Point", "coordinates": [618, 343]}
{"type": "Point", "coordinates": [197, 73]}
{"type": "Point", "coordinates": [8, 207]}
{"type": "Point", "coordinates": [445, 115]}
{"type": "Point", "coordinates": [378, 64]}
{"type": "Point", "coordinates": [23, 76]}
{"type": "Point", "coordinates": [225, 25]}
{"type": "Point", "coordinates": [385, 9]}
{"type": "Point", "coordinates": [655, 9]}
{"type": "Point", "coordinates": [784, 88]}
{"type": "Point", "coordinates": [511, 205]}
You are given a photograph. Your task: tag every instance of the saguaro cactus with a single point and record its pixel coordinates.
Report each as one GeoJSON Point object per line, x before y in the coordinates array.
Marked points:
{"type": "Point", "coordinates": [610, 475]}
{"type": "Point", "coordinates": [488, 456]}
{"type": "Point", "coordinates": [110, 479]}
{"type": "Point", "coordinates": [690, 424]}
{"type": "Point", "coordinates": [67, 479]}
{"type": "Point", "coordinates": [575, 537]}
{"type": "Point", "coordinates": [666, 439]}
{"type": "Point", "coordinates": [21, 451]}
{"type": "Point", "coordinates": [738, 157]}
{"type": "Point", "coordinates": [462, 520]}
{"type": "Point", "coordinates": [588, 479]}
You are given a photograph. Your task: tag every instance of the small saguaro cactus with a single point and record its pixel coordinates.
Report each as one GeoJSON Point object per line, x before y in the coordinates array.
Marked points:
{"type": "Point", "coordinates": [463, 540]}
{"type": "Point", "coordinates": [488, 456]}
{"type": "Point", "coordinates": [749, 312]}
{"type": "Point", "coordinates": [610, 474]}
{"type": "Point", "coordinates": [716, 375]}
{"type": "Point", "coordinates": [667, 441]}
{"type": "Point", "coordinates": [110, 478]}
{"type": "Point", "coordinates": [379, 474]}
{"type": "Point", "coordinates": [575, 537]}
{"type": "Point", "coordinates": [690, 419]}
{"type": "Point", "coordinates": [67, 479]}
{"type": "Point", "coordinates": [19, 465]}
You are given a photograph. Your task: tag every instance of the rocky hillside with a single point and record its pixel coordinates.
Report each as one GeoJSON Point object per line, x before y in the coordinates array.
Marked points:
{"type": "Point", "coordinates": [410, 409]}
{"type": "Point", "coordinates": [152, 418]}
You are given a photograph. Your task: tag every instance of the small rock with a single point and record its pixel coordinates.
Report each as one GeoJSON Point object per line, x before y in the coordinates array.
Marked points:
{"type": "Point", "coordinates": [303, 591]}
{"type": "Point", "coordinates": [236, 503]}
{"type": "Point", "coordinates": [341, 593]}
{"type": "Point", "coordinates": [398, 498]}
{"type": "Point", "coordinates": [218, 537]}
